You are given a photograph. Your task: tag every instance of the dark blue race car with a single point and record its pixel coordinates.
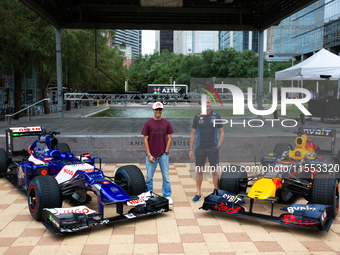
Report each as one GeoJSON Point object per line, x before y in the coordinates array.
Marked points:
{"type": "Point", "coordinates": [48, 173]}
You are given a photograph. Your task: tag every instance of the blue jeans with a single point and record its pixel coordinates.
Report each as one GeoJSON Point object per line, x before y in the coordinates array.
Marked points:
{"type": "Point", "coordinates": [150, 171]}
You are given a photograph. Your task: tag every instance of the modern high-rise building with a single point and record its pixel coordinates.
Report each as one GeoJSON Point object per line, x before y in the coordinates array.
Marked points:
{"type": "Point", "coordinates": [239, 40]}
{"type": "Point", "coordinates": [301, 34]}
{"type": "Point", "coordinates": [131, 38]}
{"type": "Point", "coordinates": [194, 42]}
{"type": "Point", "coordinates": [331, 37]}
{"type": "Point", "coordinates": [164, 40]}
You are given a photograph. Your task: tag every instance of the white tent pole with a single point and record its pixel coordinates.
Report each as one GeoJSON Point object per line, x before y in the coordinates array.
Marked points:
{"type": "Point", "coordinates": [338, 88]}
{"type": "Point", "coordinates": [270, 86]}
{"type": "Point", "coordinates": [317, 90]}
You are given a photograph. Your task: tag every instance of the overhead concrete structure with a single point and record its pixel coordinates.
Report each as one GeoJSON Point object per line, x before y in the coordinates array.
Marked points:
{"type": "Point", "coordinates": [227, 15]}
{"type": "Point", "coordinates": [224, 15]}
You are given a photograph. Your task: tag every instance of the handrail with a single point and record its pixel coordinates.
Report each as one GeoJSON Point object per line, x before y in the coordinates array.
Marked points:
{"type": "Point", "coordinates": [8, 116]}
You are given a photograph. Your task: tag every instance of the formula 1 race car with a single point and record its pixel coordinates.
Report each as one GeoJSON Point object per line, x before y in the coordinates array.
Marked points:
{"type": "Point", "coordinates": [286, 175]}
{"type": "Point", "coordinates": [48, 173]}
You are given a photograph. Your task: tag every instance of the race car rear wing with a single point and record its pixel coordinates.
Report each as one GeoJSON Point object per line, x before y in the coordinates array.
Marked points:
{"type": "Point", "coordinates": [324, 132]}
{"type": "Point", "coordinates": [17, 132]}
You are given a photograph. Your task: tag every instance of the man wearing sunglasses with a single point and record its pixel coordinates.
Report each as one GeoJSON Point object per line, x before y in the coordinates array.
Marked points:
{"type": "Point", "coordinates": [157, 141]}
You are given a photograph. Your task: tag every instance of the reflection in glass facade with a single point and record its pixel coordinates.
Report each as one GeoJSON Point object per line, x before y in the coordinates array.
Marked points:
{"type": "Point", "coordinates": [190, 41]}
{"type": "Point", "coordinates": [206, 40]}
{"type": "Point", "coordinates": [301, 33]}
{"type": "Point", "coordinates": [239, 40]}
{"type": "Point", "coordinates": [194, 42]}
{"type": "Point", "coordinates": [331, 35]}
{"type": "Point", "coordinates": [131, 38]}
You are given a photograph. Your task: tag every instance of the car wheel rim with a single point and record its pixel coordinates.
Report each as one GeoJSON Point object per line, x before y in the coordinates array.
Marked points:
{"type": "Point", "coordinates": [32, 199]}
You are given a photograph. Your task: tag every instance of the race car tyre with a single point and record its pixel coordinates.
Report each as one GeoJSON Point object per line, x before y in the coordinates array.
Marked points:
{"type": "Point", "coordinates": [3, 162]}
{"type": "Point", "coordinates": [62, 147]}
{"type": "Point", "coordinates": [234, 182]}
{"type": "Point", "coordinates": [325, 191]}
{"type": "Point", "coordinates": [43, 192]}
{"type": "Point", "coordinates": [135, 184]}
{"type": "Point", "coordinates": [281, 147]}
{"type": "Point", "coordinates": [285, 197]}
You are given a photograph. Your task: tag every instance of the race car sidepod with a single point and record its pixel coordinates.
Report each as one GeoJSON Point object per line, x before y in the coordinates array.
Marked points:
{"type": "Point", "coordinates": [308, 216]}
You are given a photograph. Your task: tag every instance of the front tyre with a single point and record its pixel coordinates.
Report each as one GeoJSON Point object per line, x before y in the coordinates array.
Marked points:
{"type": "Point", "coordinates": [325, 191]}
{"type": "Point", "coordinates": [234, 180]}
{"type": "Point", "coordinates": [135, 181]}
{"type": "Point", "coordinates": [43, 192]}
{"type": "Point", "coordinates": [282, 147]}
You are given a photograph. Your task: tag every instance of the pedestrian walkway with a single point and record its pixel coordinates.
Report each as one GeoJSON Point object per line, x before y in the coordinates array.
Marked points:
{"type": "Point", "coordinates": [184, 230]}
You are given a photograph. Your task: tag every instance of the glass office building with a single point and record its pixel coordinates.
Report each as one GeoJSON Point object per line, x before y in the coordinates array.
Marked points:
{"type": "Point", "coordinates": [239, 40]}
{"type": "Point", "coordinates": [131, 38]}
{"type": "Point", "coordinates": [332, 26]}
{"type": "Point", "coordinates": [302, 33]}
{"type": "Point", "coordinates": [164, 40]}
{"type": "Point", "coordinates": [195, 42]}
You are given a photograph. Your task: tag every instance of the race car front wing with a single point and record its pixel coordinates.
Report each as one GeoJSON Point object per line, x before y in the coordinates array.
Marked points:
{"type": "Point", "coordinates": [301, 215]}
{"type": "Point", "coordinates": [76, 221]}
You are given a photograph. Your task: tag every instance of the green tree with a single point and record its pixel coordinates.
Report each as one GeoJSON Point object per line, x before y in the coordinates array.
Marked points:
{"type": "Point", "coordinates": [18, 45]}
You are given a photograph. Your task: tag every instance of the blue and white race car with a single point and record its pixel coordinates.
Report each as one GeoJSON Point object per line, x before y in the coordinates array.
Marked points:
{"type": "Point", "coordinates": [48, 173]}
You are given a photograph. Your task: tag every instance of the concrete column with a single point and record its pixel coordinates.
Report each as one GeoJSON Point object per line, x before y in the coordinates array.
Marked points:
{"type": "Point", "coordinates": [260, 71]}
{"type": "Point", "coordinates": [59, 73]}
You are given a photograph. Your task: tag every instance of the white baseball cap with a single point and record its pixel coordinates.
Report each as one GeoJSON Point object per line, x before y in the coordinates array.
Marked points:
{"type": "Point", "coordinates": [157, 105]}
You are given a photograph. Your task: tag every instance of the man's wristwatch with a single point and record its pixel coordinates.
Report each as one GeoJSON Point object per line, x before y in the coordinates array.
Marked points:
{"type": "Point", "coordinates": [166, 153]}
{"type": "Point", "coordinates": [218, 147]}
{"type": "Point", "coordinates": [149, 155]}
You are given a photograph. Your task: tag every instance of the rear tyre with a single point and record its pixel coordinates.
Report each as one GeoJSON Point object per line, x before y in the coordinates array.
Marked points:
{"type": "Point", "coordinates": [3, 162]}
{"type": "Point", "coordinates": [62, 147]}
{"type": "Point", "coordinates": [325, 191]}
{"type": "Point", "coordinates": [43, 192]}
{"type": "Point", "coordinates": [281, 147]}
{"type": "Point", "coordinates": [234, 182]}
{"type": "Point", "coordinates": [135, 184]}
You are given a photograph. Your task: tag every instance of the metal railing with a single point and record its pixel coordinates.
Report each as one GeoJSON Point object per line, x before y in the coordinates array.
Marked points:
{"type": "Point", "coordinates": [9, 116]}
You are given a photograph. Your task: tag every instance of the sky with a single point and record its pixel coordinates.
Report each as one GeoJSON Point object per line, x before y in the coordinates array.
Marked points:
{"type": "Point", "coordinates": [148, 41]}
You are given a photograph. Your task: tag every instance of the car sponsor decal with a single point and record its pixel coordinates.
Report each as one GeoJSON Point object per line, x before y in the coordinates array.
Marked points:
{"type": "Point", "coordinates": [317, 131]}
{"type": "Point", "coordinates": [77, 209]}
{"type": "Point", "coordinates": [225, 208]}
{"type": "Point", "coordinates": [292, 220]}
{"type": "Point", "coordinates": [68, 171]}
{"type": "Point", "coordinates": [27, 129]}
{"type": "Point", "coordinates": [232, 198]}
{"type": "Point", "coordinates": [35, 160]}
{"type": "Point", "coordinates": [141, 199]}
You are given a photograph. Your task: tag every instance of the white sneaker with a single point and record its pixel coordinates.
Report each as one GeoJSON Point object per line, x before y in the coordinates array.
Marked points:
{"type": "Point", "coordinates": [170, 200]}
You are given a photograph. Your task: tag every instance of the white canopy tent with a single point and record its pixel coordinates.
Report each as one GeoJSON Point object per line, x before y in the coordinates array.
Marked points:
{"type": "Point", "coordinates": [321, 63]}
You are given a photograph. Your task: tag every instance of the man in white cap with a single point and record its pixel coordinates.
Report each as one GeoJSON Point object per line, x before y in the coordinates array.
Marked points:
{"type": "Point", "coordinates": [157, 141]}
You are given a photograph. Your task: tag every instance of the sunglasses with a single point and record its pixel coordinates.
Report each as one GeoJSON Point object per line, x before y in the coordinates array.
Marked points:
{"type": "Point", "coordinates": [159, 109]}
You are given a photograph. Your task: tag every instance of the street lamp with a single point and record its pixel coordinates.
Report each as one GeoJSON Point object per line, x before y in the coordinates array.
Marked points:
{"type": "Point", "coordinates": [214, 81]}
{"type": "Point", "coordinates": [171, 80]}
